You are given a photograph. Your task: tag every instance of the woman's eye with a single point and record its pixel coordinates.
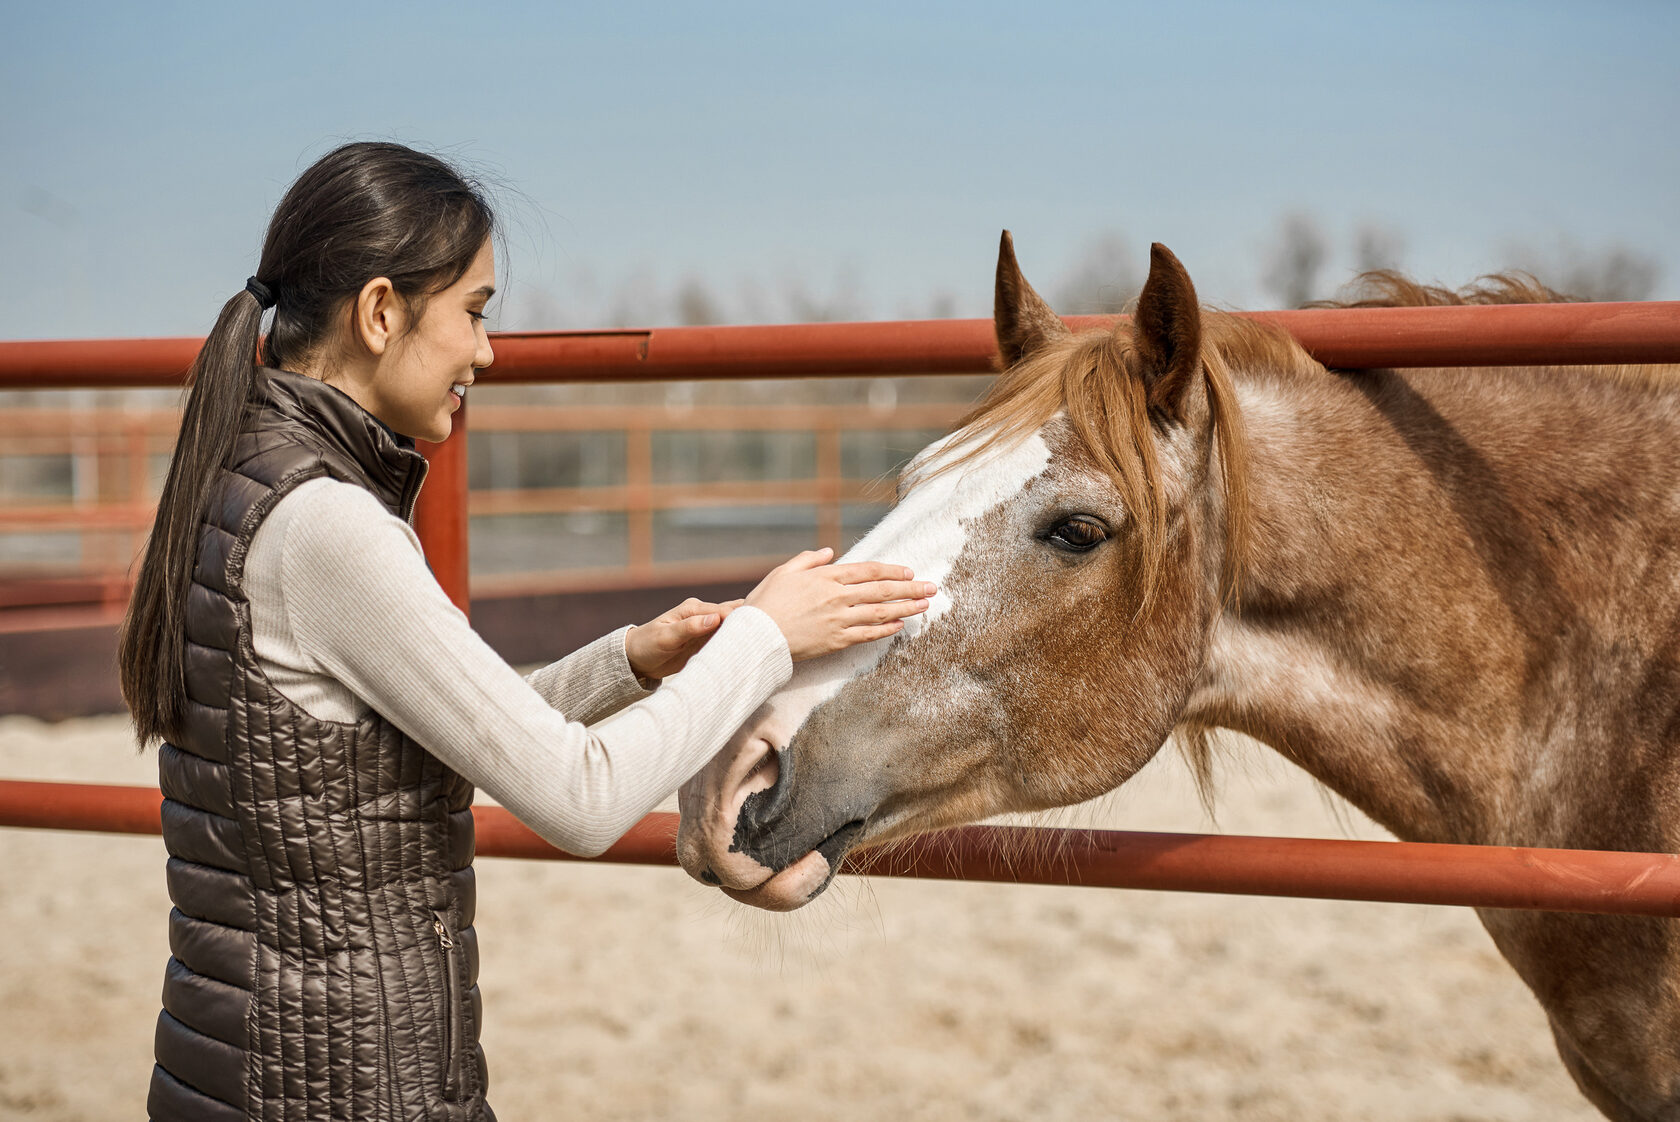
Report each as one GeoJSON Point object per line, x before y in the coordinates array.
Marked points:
{"type": "Point", "coordinates": [1077, 535]}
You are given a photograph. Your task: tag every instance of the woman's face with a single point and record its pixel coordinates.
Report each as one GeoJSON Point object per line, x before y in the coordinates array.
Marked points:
{"type": "Point", "coordinates": [422, 378]}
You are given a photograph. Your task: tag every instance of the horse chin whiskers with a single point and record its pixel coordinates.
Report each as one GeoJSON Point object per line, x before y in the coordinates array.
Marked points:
{"type": "Point", "coordinates": [801, 942]}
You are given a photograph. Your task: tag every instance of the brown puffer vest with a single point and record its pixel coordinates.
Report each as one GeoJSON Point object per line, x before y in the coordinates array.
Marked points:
{"type": "Point", "coordinates": [323, 959]}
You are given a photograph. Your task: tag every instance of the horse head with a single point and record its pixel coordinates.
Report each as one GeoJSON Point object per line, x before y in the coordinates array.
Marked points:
{"type": "Point", "coordinates": [1083, 526]}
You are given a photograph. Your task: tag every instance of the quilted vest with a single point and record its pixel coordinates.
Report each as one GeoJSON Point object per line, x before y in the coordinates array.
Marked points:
{"type": "Point", "coordinates": [323, 962]}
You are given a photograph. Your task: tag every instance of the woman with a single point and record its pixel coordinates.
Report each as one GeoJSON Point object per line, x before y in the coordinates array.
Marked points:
{"type": "Point", "coordinates": [325, 711]}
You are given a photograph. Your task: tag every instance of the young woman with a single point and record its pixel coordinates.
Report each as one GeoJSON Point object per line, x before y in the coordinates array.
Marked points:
{"type": "Point", "coordinates": [325, 711]}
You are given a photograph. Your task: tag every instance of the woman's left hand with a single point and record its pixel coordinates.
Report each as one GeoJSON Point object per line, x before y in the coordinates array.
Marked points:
{"type": "Point", "coordinates": [663, 646]}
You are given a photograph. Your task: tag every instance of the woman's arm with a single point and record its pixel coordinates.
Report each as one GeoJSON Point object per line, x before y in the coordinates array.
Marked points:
{"type": "Point", "coordinates": [360, 602]}
{"type": "Point", "coordinates": [591, 683]}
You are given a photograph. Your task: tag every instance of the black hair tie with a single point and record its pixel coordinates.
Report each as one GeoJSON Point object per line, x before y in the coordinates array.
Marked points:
{"type": "Point", "coordinates": [264, 294]}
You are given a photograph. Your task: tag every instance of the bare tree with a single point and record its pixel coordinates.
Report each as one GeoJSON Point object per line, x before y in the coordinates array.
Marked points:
{"type": "Point", "coordinates": [1612, 273]}
{"type": "Point", "coordinates": [1376, 246]}
{"type": "Point", "coordinates": [696, 307]}
{"type": "Point", "coordinates": [1297, 253]}
{"type": "Point", "coordinates": [1103, 281]}
{"type": "Point", "coordinates": [844, 301]}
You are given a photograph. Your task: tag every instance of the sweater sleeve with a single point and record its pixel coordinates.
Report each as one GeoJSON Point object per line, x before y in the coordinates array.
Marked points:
{"type": "Point", "coordinates": [593, 682]}
{"type": "Point", "coordinates": [365, 609]}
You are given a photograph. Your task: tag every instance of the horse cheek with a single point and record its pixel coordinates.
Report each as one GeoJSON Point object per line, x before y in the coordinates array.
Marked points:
{"type": "Point", "coordinates": [1100, 693]}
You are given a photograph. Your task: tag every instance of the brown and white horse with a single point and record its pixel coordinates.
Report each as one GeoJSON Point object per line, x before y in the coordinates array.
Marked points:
{"type": "Point", "coordinates": [1453, 596]}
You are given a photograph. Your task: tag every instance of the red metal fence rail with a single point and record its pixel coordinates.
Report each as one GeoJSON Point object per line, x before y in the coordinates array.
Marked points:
{"type": "Point", "coordinates": [1486, 876]}
{"type": "Point", "coordinates": [1353, 338]}
{"type": "Point", "coordinates": [1567, 880]}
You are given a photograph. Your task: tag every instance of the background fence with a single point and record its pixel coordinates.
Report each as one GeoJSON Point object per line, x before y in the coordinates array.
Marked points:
{"type": "Point", "coordinates": [562, 496]}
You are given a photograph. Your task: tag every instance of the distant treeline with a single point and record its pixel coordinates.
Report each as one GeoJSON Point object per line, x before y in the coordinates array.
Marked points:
{"type": "Point", "coordinates": [1294, 268]}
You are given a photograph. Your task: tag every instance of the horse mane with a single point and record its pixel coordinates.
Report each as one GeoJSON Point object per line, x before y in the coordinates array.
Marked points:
{"type": "Point", "coordinates": [1385, 288]}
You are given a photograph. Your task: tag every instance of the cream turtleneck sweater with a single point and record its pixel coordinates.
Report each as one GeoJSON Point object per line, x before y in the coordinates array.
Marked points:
{"type": "Point", "coordinates": [346, 618]}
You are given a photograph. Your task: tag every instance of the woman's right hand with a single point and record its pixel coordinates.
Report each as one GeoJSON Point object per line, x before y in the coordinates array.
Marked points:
{"type": "Point", "coordinates": [823, 608]}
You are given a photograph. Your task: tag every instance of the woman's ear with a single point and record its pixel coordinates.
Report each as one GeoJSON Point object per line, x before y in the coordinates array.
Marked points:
{"type": "Point", "coordinates": [378, 317]}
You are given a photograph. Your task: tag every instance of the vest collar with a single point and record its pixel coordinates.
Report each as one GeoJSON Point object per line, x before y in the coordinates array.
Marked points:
{"type": "Point", "coordinates": [392, 467]}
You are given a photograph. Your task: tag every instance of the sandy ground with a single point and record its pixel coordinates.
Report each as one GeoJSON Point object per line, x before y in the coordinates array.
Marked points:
{"type": "Point", "coordinates": [624, 993]}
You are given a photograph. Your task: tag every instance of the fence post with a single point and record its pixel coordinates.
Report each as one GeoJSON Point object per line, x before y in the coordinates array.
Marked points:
{"type": "Point", "coordinates": [638, 482]}
{"type": "Point", "coordinates": [440, 517]}
{"type": "Point", "coordinates": [830, 519]}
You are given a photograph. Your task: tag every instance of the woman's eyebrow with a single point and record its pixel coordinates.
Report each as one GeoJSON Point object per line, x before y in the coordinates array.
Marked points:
{"type": "Point", "coordinates": [486, 291]}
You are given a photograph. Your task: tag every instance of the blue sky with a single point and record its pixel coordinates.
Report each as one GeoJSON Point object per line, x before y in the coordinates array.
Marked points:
{"type": "Point", "coordinates": [862, 157]}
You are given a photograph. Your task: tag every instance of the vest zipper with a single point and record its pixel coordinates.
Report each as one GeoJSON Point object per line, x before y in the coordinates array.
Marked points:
{"type": "Point", "coordinates": [452, 1030]}
{"type": "Point", "coordinates": [411, 490]}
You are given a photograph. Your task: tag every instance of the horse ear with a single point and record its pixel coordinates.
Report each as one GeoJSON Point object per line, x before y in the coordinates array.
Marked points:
{"type": "Point", "coordinates": [1023, 321]}
{"type": "Point", "coordinates": [1169, 335]}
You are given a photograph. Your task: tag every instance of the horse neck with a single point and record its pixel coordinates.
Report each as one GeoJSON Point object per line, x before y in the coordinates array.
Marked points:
{"type": "Point", "coordinates": [1399, 614]}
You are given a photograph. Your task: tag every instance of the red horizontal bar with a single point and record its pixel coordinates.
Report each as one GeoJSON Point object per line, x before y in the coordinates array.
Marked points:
{"type": "Point", "coordinates": [1350, 338]}
{"type": "Point", "coordinates": [80, 806]}
{"type": "Point", "coordinates": [1569, 880]}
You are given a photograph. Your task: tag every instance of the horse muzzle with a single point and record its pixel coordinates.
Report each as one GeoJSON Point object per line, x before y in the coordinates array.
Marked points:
{"type": "Point", "coordinates": [765, 835]}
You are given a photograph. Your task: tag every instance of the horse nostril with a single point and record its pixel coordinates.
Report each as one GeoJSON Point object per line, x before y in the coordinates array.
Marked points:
{"type": "Point", "coordinates": [710, 877]}
{"type": "Point", "coordinates": [761, 811]}
{"type": "Point", "coordinates": [767, 766]}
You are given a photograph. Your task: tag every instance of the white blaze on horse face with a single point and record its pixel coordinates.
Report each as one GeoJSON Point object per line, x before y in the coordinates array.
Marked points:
{"type": "Point", "coordinates": [925, 532]}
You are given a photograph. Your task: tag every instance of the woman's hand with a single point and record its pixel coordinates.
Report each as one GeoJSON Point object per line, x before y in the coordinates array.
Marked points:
{"type": "Point", "coordinates": [822, 608]}
{"type": "Point", "coordinates": [663, 646]}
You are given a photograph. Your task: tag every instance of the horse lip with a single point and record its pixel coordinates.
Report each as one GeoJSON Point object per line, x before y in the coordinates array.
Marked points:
{"type": "Point", "coordinates": [841, 842]}
{"type": "Point", "coordinates": [834, 849]}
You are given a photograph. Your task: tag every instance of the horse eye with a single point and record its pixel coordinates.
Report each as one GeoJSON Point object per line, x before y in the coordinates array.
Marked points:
{"type": "Point", "coordinates": [1077, 535]}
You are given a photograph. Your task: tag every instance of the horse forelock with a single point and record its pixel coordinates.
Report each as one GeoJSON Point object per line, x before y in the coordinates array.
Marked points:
{"type": "Point", "coordinates": [1094, 382]}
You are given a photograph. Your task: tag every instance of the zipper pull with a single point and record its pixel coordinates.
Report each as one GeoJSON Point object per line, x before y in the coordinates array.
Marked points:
{"type": "Point", "coordinates": [444, 940]}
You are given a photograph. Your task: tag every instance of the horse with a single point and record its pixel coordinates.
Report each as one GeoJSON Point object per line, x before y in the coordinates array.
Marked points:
{"type": "Point", "coordinates": [1451, 596]}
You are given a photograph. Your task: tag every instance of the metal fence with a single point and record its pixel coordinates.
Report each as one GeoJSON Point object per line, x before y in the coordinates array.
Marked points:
{"type": "Point", "coordinates": [1565, 880]}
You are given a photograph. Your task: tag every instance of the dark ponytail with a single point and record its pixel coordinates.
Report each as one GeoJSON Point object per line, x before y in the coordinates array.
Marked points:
{"type": "Point", "coordinates": [362, 211]}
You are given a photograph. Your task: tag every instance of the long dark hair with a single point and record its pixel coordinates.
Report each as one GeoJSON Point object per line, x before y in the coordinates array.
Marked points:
{"type": "Point", "coordinates": [362, 211]}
